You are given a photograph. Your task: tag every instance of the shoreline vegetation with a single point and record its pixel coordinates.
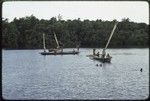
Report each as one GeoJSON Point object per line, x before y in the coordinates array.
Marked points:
{"type": "Point", "coordinates": [73, 47]}
{"type": "Point", "coordinates": [26, 33]}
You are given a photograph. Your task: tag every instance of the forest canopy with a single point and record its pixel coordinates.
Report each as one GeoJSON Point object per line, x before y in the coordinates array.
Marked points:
{"type": "Point", "coordinates": [26, 33]}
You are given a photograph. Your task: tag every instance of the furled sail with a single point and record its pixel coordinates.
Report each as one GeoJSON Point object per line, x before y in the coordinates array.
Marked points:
{"type": "Point", "coordinates": [56, 40]}
{"type": "Point", "coordinates": [112, 32]}
{"type": "Point", "coordinates": [44, 42]}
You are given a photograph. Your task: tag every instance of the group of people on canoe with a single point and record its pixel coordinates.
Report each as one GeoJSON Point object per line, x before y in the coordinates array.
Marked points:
{"type": "Point", "coordinates": [60, 49]}
{"type": "Point", "coordinates": [103, 55]}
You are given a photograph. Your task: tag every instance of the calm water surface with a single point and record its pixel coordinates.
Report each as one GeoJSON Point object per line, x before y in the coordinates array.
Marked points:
{"type": "Point", "coordinates": [28, 75]}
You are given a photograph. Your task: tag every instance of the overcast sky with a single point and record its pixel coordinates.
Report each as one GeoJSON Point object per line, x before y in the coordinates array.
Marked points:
{"type": "Point", "coordinates": [136, 11]}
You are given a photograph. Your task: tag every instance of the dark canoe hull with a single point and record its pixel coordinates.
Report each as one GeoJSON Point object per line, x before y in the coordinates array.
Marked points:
{"type": "Point", "coordinates": [100, 58]}
{"type": "Point", "coordinates": [60, 53]}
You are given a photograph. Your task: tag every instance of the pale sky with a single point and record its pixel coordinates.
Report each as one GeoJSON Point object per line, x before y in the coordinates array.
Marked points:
{"type": "Point", "coordinates": [137, 11]}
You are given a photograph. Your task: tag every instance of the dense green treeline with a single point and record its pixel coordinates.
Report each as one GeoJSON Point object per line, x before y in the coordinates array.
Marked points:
{"type": "Point", "coordinates": [27, 32]}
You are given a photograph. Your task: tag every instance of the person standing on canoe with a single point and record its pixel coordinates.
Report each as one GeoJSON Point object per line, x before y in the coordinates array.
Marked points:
{"type": "Point", "coordinates": [103, 53]}
{"type": "Point", "coordinates": [78, 48]}
{"type": "Point", "coordinates": [61, 46]}
{"type": "Point", "coordinates": [94, 51]}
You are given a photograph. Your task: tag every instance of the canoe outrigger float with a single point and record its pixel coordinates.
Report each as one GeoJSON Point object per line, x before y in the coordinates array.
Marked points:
{"type": "Point", "coordinates": [58, 50]}
{"type": "Point", "coordinates": [103, 57]}
{"type": "Point", "coordinates": [60, 53]}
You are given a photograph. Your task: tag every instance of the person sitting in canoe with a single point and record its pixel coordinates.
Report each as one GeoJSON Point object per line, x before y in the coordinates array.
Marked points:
{"type": "Point", "coordinates": [97, 54]}
{"type": "Point", "coordinates": [107, 56]}
{"type": "Point", "coordinates": [55, 51]}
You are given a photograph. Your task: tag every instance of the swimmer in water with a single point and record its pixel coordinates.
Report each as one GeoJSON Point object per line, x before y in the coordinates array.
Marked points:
{"type": "Point", "coordinates": [141, 69]}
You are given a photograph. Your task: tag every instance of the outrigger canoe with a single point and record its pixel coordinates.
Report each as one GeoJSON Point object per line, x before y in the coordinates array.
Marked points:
{"type": "Point", "coordinates": [56, 51]}
{"type": "Point", "coordinates": [107, 58]}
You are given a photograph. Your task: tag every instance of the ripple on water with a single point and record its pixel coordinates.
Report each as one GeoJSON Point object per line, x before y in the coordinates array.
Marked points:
{"type": "Point", "coordinates": [28, 75]}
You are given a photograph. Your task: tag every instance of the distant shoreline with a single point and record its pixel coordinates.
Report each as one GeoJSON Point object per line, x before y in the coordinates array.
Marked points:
{"type": "Point", "coordinates": [24, 34]}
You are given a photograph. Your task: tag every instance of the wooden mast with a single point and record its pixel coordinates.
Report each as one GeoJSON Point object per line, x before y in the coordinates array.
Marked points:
{"type": "Point", "coordinates": [44, 42]}
{"type": "Point", "coordinates": [112, 32]}
{"type": "Point", "coordinates": [56, 40]}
